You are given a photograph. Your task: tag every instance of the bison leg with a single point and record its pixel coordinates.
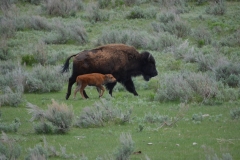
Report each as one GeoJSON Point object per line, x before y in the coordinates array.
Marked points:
{"type": "Point", "coordinates": [85, 94]}
{"type": "Point", "coordinates": [71, 81]}
{"type": "Point", "coordinates": [130, 87]}
{"type": "Point", "coordinates": [110, 87]}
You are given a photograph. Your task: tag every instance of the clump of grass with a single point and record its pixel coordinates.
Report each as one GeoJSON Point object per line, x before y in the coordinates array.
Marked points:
{"type": "Point", "coordinates": [12, 87]}
{"type": "Point", "coordinates": [13, 127]}
{"type": "Point", "coordinates": [9, 149]}
{"type": "Point", "coordinates": [235, 113]}
{"type": "Point", "coordinates": [63, 8]}
{"type": "Point", "coordinates": [202, 36]}
{"type": "Point", "coordinates": [126, 147]}
{"type": "Point", "coordinates": [155, 118]}
{"type": "Point", "coordinates": [232, 40]}
{"type": "Point", "coordinates": [95, 14]}
{"type": "Point", "coordinates": [70, 33]}
{"type": "Point", "coordinates": [44, 79]}
{"type": "Point", "coordinates": [187, 87]}
{"type": "Point", "coordinates": [170, 22]}
{"type": "Point", "coordinates": [137, 12]}
{"type": "Point", "coordinates": [217, 8]}
{"type": "Point", "coordinates": [57, 119]}
{"type": "Point", "coordinates": [229, 74]}
{"type": "Point", "coordinates": [38, 152]}
{"type": "Point", "coordinates": [100, 114]}
{"type": "Point", "coordinates": [138, 39]}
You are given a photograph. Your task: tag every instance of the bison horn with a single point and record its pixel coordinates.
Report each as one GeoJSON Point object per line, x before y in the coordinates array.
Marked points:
{"type": "Point", "coordinates": [149, 57]}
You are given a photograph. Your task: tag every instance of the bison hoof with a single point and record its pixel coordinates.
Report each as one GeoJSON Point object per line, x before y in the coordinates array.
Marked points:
{"type": "Point", "coordinates": [67, 96]}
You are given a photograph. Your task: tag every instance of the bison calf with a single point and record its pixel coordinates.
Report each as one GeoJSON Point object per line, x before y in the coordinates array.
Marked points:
{"type": "Point", "coordinates": [93, 79]}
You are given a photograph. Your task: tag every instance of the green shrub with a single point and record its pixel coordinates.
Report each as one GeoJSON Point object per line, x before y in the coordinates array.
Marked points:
{"type": "Point", "coordinates": [9, 149]}
{"type": "Point", "coordinates": [11, 87]}
{"type": "Point", "coordinates": [70, 33]}
{"type": "Point", "coordinates": [44, 128]}
{"type": "Point", "coordinates": [38, 152]}
{"type": "Point", "coordinates": [235, 113]}
{"type": "Point", "coordinates": [138, 12]}
{"type": "Point", "coordinates": [155, 118]}
{"type": "Point", "coordinates": [229, 74]}
{"type": "Point", "coordinates": [187, 87]}
{"type": "Point", "coordinates": [101, 114]}
{"type": "Point", "coordinates": [104, 3]}
{"type": "Point", "coordinates": [44, 79]}
{"type": "Point", "coordinates": [95, 14]}
{"type": "Point", "coordinates": [169, 22]}
{"type": "Point", "coordinates": [218, 8]}
{"type": "Point", "coordinates": [59, 118]}
{"type": "Point", "coordinates": [232, 40]}
{"type": "Point", "coordinates": [63, 8]}
{"type": "Point", "coordinates": [7, 66]}
{"type": "Point", "coordinates": [126, 147]}
{"type": "Point", "coordinates": [202, 36]}
{"type": "Point", "coordinates": [13, 127]}
{"type": "Point", "coordinates": [28, 60]}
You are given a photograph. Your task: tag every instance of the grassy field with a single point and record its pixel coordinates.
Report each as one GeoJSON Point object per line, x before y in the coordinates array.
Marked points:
{"type": "Point", "coordinates": [197, 124]}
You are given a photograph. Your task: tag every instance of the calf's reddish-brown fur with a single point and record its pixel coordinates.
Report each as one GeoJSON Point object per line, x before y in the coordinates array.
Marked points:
{"type": "Point", "coordinates": [93, 79]}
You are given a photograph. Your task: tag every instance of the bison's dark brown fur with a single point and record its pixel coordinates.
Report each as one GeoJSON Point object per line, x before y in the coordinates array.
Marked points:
{"type": "Point", "coordinates": [93, 79]}
{"type": "Point", "coordinates": [122, 61]}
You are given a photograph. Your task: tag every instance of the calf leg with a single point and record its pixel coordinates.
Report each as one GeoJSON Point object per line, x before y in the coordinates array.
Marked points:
{"type": "Point", "coordinates": [85, 94]}
{"type": "Point", "coordinates": [81, 91]}
{"type": "Point", "coordinates": [76, 90]}
{"type": "Point", "coordinates": [130, 87]}
{"type": "Point", "coordinates": [101, 88]}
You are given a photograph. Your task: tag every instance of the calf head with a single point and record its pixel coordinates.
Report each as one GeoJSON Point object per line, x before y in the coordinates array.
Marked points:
{"type": "Point", "coordinates": [109, 78]}
{"type": "Point", "coordinates": [148, 66]}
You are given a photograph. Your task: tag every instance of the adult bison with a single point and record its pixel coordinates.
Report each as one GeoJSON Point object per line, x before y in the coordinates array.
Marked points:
{"type": "Point", "coordinates": [120, 60]}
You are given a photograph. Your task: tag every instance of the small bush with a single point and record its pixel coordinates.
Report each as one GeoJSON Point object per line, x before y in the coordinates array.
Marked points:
{"type": "Point", "coordinates": [101, 114]}
{"type": "Point", "coordinates": [229, 74]}
{"type": "Point", "coordinates": [44, 79]}
{"type": "Point", "coordinates": [155, 118]}
{"type": "Point", "coordinates": [63, 8]}
{"type": "Point", "coordinates": [9, 149]}
{"type": "Point", "coordinates": [95, 14]}
{"type": "Point", "coordinates": [104, 3]}
{"type": "Point", "coordinates": [187, 87]}
{"type": "Point", "coordinates": [63, 34]}
{"type": "Point", "coordinates": [5, 53]}
{"type": "Point", "coordinates": [7, 66]}
{"type": "Point", "coordinates": [13, 127]}
{"type": "Point", "coordinates": [137, 12]}
{"type": "Point", "coordinates": [217, 8]}
{"type": "Point", "coordinates": [38, 153]}
{"type": "Point", "coordinates": [170, 22]}
{"type": "Point", "coordinates": [11, 87]}
{"type": "Point", "coordinates": [28, 60]}
{"type": "Point", "coordinates": [235, 113]}
{"type": "Point", "coordinates": [59, 118]}
{"type": "Point", "coordinates": [126, 147]}
{"type": "Point", "coordinates": [202, 36]}
{"type": "Point", "coordinates": [44, 128]}
{"type": "Point", "coordinates": [232, 40]}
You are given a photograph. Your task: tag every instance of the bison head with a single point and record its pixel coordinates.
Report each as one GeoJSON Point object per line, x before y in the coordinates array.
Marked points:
{"type": "Point", "coordinates": [148, 66]}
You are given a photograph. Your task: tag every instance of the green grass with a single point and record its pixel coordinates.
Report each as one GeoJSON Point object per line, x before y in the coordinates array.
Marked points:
{"type": "Point", "coordinates": [220, 134]}
{"type": "Point", "coordinates": [218, 131]}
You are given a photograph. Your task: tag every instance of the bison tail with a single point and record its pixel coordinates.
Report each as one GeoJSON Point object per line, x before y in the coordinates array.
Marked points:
{"type": "Point", "coordinates": [65, 67]}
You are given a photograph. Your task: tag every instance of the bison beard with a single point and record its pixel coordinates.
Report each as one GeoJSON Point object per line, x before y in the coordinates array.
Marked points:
{"type": "Point", "coordinates": [122, 61]}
